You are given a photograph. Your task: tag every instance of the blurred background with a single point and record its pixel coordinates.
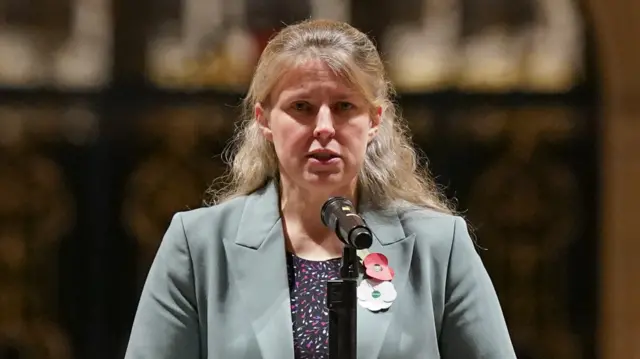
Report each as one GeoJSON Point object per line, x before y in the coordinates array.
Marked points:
{"type": "Point", "coordinates": [113, 115]}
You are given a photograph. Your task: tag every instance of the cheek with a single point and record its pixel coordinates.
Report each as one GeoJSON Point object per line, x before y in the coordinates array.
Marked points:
{"type": "Point", "coordinates": [357, 140]}
{"type": "Point", "coordinates": [288, 136]}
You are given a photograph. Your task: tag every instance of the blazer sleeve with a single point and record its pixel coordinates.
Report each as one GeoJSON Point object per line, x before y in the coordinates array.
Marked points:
{"type": "Point", "coordinates": [473, 324]}
{"type": "Point", "coordinates": [166, 321]}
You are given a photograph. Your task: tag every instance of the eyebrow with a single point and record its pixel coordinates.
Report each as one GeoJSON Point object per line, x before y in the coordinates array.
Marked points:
{"type": "Point", "coordinates": [306, 94]}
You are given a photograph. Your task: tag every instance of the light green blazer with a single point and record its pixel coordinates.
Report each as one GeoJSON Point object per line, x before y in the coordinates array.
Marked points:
{"type": "Point", "coordinates": [218, 289]}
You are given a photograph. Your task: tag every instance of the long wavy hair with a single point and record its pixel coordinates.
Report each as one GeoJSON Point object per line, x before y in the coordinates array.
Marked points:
{"type": "Point", "coordinates": [391, 174]}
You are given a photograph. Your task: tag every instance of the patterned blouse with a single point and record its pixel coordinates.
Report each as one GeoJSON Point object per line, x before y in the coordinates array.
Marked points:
{"type": "Point", "coordinates": [308, 286]}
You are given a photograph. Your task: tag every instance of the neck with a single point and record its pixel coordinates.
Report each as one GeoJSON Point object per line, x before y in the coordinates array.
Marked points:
{"type": "Point", "coordinates": [300, 210]}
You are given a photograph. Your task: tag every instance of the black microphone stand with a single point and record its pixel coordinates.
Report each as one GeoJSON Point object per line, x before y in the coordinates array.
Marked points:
{"type": "Point", "coordinates": [341, 301]}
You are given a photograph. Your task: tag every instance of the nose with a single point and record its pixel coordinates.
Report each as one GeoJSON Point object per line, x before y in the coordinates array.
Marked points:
{"type": "Point", "coordinates": [324, 124]}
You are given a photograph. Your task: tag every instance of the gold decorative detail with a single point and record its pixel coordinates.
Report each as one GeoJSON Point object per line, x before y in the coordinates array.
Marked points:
{"type": "Point", "coordinates": [491, 60]}
{"type": "Point", "coordinates": [83, 59]}
{"type": "Point", "coordinates": [64, 43]}
{"type": "Point", "coordinates": [422, 55]}
{"type": "Point", "coordinates": [177, 171]}
{"type": "Point", "coordinates": [554, 62]}
{"type": "Point", "coordinates": [526, 206]}
{"type": "Point", "coordinates": [473, 46]}
{"type": "Point", "coordinates": [35, 211]}
{"type": "Point", "coordinates": [214, 49]}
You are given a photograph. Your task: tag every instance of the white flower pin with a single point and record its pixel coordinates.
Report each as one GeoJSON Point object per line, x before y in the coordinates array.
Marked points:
{"type": "Point", "coordinates": [376, 295]}
{"type": "Point", "coordinates": [376, 292]}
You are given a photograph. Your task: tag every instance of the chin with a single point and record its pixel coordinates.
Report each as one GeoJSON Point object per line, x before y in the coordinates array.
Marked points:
{"type": "Point", "coordinates": [323, 182]}
{"type": "Point", "coordinates": [327, 182]}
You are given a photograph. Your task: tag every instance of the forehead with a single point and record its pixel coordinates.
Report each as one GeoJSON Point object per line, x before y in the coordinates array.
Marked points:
{"type": "Point", "coordinates": [312, 76]}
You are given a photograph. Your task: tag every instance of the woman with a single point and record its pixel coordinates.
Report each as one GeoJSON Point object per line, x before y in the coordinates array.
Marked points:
{"type": "Point", "coordinates": [246, 277]}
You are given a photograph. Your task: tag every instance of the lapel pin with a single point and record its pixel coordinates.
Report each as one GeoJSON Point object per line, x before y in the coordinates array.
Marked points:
{"type": "Point", "coordinates": [376, 292]}
{"type": "Point", "coordinates": [376, 295]}
{"type": "Point", "coordinates": [377, 267]}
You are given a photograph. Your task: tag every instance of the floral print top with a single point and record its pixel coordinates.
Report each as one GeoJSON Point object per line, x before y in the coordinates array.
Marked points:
{"type": "Point", "coordinates": [310, 316]}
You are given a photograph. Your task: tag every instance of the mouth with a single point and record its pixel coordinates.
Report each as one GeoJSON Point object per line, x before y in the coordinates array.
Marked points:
{"type": "Point", "coordinates": [323, 156]}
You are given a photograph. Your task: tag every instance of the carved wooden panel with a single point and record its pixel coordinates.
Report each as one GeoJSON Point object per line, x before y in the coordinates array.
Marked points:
{"type": "Point", "coordinates": [525, 176]}
{"type": "Point", "coordinates": [38, 213]}
{"type": "Point", "coordinates": [178, 150]}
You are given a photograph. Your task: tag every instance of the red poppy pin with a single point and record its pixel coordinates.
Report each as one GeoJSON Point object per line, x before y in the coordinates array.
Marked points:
{"type": "Point", "coordinates": [377, 267]}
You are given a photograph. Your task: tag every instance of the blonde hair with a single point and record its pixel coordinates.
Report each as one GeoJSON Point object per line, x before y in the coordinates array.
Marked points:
{"type": "Point", "coordinates": [391, 173]}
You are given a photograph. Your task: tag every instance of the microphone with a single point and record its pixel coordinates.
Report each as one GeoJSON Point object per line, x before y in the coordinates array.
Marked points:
{"type": "Point", "coordinates": [338, 214]}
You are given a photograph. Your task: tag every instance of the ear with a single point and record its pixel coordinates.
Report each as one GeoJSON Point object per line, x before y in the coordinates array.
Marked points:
{"type": "Point", "coordinates": [260, 115]}
{"type": "Point", "coordinates": [376, 119]}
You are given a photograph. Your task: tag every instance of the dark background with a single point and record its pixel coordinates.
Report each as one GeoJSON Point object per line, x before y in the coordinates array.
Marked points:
{"type": "Point", "coordinates": [89, 181]}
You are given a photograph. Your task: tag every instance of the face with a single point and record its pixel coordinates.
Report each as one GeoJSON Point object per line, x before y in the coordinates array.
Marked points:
{"type": "Point", "coordinates": [319, 126]}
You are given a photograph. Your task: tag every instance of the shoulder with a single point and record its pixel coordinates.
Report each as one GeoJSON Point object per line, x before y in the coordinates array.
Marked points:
{"type": "Point", "coordinates": [224, 212]}
{"type": "Point", "coordinates": [201, 225]}
{"type": "Point", "coordinates": [435, 231]}
{"type": "Point", "coordinates": [422, 221]}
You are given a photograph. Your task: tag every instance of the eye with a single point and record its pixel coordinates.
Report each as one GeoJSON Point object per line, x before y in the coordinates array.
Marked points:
{"type": "Point", "coordinates": [344, 106]}
{"type": "Point", "coordinates": [301, 106]}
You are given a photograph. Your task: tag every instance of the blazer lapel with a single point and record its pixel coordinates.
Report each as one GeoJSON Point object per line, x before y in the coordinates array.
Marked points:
{"type": "Point", "coordinates": [256, 258]}
{"type": "Point", "coordinates": [397, 246]}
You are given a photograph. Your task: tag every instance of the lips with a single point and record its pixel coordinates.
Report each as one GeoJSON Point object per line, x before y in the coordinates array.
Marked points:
{"type": "Point", "coordinates": [324, 156]}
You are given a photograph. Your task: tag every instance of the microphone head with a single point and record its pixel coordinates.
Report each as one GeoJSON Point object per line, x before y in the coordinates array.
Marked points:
{"type": "Point", "coordinates": [361, 238]}
{"type": "Point", "coordinates": [329, 206]}
{"type": "Point", "coordinates": [339, 214]}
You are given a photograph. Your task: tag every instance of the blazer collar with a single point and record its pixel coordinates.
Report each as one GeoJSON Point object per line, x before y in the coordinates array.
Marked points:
{"type": "Point", "coordinates": [261, 213]}
{"type": "Point", "coordinates": [257, 263]}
